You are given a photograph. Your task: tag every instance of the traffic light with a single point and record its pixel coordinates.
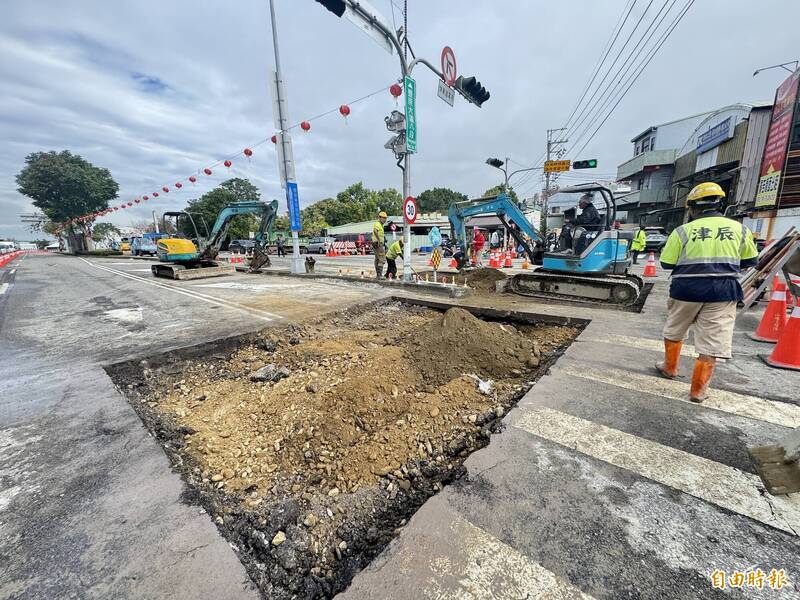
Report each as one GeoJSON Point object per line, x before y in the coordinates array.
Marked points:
{"type": "Point", "coordinates": [585, 164]}
{"type": "Point", "coordinates": [471, 89]}
{"type": "Point", "coordinates": [335, 6]}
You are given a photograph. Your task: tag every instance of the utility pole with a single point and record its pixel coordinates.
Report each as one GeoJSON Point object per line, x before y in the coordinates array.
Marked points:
{"type": "Point", "coordinates": [551, 143]}
{"type": "Point", "coordinates": [285, 151]}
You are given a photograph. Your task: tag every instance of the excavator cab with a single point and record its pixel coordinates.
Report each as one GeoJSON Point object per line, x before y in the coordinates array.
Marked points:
{"type": "Point", "coordinates": [598, 249]}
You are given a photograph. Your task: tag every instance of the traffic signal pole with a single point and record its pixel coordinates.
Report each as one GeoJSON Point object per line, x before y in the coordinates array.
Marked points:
{"type": "Point", "coordinates": [286, 147]}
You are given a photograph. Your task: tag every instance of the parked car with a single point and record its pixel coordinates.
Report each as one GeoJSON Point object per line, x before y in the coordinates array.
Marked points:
{"type": "Point", "coordinates": [319, 245]}
{"type": "Point", "coordinates": [125, 244]}
{"type": "Point", "coordinates": [656, 237]}
{"type": "Point", "coordinates": [146, 244]}
{"type": "Point", "coordinates": [241, 246]}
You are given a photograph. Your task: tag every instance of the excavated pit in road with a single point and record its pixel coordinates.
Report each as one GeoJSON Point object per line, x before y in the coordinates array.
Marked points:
{"type": "Point", "coordinates": [311, 445]}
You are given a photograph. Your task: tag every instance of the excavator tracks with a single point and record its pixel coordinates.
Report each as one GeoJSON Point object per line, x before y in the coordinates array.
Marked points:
{"type": "Point", "coordinates": [622, 290]}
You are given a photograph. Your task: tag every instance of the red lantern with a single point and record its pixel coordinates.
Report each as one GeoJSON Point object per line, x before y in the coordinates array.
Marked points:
{"type": "Point", "coordinates": [227, 163]}
{"type": "Point", "coordinates": [305, 126]}
{"type": "Point", "coordinates": [207, 171]}
{"type": "Point", "coordinates": [274, 139]}
{"type": "Point", "coordinates": [248, 153]}
{"type": "Point", "coordinates": [344, 110]}
{"type": "Point", "coordinates": [155, 194]}
{"type": "Point", "coordinates": [116, 208]}
{"type": "Point", "coordinates": [145, 197]}
{"type": "Point", "coordinates": [166, 189]}
{"type": "Point", "coordinates": [136, 200]}
{"type": "Point", "coordinates": [395, 90]}
{"type": "Point", "coordinates": [179, 185]}
{"type": "Point", "coordinates": [130, 203]}
{"type": "Point", "coordinates": [192, 178]}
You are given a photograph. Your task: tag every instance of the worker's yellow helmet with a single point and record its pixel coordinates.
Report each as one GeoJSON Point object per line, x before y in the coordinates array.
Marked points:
{"type": "Point", "coordinates": [383, 215]}
{"type": "Point", "coordinates": [705, 193]}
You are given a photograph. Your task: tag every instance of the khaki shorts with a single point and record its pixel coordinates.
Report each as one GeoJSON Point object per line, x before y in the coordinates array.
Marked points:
{"type": "Point", "coordinates": [713, 325]}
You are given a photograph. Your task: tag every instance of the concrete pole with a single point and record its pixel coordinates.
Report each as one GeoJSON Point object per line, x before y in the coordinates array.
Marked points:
{"type": "Point", "coordinates": [297, 260]}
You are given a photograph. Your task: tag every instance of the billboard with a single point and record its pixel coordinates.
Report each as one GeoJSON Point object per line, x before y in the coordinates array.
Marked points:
{"type": "Point", "coordinates": [777, 142]}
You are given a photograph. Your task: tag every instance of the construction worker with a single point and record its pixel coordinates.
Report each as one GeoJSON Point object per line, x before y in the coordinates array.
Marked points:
{"type": "Point", "coordinates": [394, 251]}
{"type": "Point", "coordinates": [638, 245]}
{"type": "Point", "coordinates": [705, 256]}
{"type": "Point", "coordinates": [378, 243]}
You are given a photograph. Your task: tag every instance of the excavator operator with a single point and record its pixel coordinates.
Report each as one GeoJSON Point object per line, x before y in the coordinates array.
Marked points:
{"type": "Point", "coordinates": [589, 223]}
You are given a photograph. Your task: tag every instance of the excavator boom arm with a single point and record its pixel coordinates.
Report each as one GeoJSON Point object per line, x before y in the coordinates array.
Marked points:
{"type": "Point", "coordinates": [502, 207]}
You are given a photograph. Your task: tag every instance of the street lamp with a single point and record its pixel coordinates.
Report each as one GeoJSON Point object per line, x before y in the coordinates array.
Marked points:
{"type": "Point", "coordinates": [498, 164]}
{"type": "Point", "coordinates": [780, 66]}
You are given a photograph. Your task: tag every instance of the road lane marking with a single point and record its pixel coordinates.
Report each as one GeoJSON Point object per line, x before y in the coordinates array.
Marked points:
{"type": "Point", "coordinates": [752, 407]}
{"type": "Point", "coordinates": [713, 482]}
{"type": "Point", "coordinates": [494, 570]}
{"type": "Point", "coordinates": [3, 288]}
{"type": "Point", "coordinates": [190, 293]}
{"type": "Point", "coordinates": [637, 342]}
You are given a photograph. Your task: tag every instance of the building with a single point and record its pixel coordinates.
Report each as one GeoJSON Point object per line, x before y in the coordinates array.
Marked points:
{"type": "Point", "coordinates": [772, 205]}
{"type": "Point", "coordinates": [419, 230]}
{"type": "Point", "coordinates": [650, 172]}
{"type": "Point", "coordinates": [716, 151]}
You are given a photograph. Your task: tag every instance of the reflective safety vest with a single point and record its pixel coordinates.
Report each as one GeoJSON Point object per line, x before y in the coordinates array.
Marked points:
{"type": "Point", "coordinates": [377, 232]}
{"type": "Point", "coordinates": [640, 241]}
{"type": "Point", "coordinates": [395, 250]}
{"type": "Point", "coordinates": [710, 246]}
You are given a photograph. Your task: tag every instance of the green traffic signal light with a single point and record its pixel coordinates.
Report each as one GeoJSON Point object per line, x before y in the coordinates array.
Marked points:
{"type": "Point", "coordinates": [585, 164]}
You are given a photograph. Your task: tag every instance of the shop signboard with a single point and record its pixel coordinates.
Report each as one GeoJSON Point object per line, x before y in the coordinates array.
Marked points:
{"type": "Point", "coordinates": [777, 142]}
{"type": "Point", "coordinates": [712, 138]}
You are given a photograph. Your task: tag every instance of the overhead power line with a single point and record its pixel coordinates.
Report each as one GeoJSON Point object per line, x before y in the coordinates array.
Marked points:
{"type": "Point", "coordinates": [663, 39]}
{"type": "Point", "coordinates": [628, 66]}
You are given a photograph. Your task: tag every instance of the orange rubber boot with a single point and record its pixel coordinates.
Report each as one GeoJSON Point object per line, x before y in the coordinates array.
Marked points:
{"type": "Point", "coordinates": [672, 358]}
{"type": "Point", "coordinates": [703, 370]}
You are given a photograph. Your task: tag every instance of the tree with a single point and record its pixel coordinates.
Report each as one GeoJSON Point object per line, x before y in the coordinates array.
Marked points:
{"type": "Point", "coordinates": [205, 209]}
{"type": "Point", "coordinates": [65, 185]}
{"type": "Point", "coordinates": [144, 225]}
{"type": "Point", "coordinates": [494, 191]}
{"type": "Point", "coordinates": [106, 233]}
{"type": "Point", "coordinates": [438, 200]}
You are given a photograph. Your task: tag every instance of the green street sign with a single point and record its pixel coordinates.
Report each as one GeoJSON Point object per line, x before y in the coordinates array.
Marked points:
{"type": "Point", "coordinates": [411, 114]}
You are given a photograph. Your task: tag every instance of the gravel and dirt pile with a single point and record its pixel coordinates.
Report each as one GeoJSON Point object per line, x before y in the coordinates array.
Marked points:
{"type": "Point", "coordinates": [309, 445]}
{"type": "Point", "coordinates": [484, 279]}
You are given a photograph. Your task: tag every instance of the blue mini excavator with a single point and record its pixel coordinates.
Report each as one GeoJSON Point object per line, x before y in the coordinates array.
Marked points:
{"type": "Point", "coordinates": [194, 258]}
{"type": "Point", "coordinates": [597, 272]}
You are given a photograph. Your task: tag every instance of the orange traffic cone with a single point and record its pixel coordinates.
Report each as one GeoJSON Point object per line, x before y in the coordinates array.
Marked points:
{"type": "Point", "coordinates": [507, 261]}
{"type": "Point", "coordinates": [786, 354]}
{"type": "Point", "coordinates": [513, 253]}
{"type": "Point", "coordinates": [774, 320]}
{"type": "Point", "coordinates": [789, 296]}
{"type": "Point", "coordinates": [525, 264]}
{"type": "Point", "coordinates": [650, 267]}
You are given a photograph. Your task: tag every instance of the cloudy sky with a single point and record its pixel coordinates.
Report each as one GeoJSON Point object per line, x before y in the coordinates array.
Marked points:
{"type": "Point", "coordinates": [156, 91]}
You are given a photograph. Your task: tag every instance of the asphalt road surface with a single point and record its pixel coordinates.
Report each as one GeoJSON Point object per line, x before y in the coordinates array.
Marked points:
{"type": "Point", "coordinates": [606, 482]}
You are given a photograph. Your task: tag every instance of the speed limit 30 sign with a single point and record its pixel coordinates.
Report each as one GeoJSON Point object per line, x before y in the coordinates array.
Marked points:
{"type": "Point", "coordinates": [410, 209]}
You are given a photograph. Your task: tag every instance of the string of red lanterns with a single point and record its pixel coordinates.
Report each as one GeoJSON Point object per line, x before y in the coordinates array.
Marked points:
{"type": "Point", "coordinates": [344, 110]}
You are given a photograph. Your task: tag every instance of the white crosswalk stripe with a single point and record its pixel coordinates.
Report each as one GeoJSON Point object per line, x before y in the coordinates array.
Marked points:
{"type": "Point", "coordinates": [702, 478]}
{"type": "Point", "coordinates": [779, 413]}
{"type": "Point", "coordinates": [636, 342]}
{"type": "Point", "coordinates": [496, 570]}
{"type": "Point", "coordinates": [3, 288]}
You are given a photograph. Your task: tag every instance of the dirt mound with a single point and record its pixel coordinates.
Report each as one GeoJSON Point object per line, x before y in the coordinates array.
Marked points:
{"type": "Point", "coordinates": [374, 411]}
{"type": "Point", "coordinates": [458, 343]}
{"type": "Point", "coordinates": [484, 279]}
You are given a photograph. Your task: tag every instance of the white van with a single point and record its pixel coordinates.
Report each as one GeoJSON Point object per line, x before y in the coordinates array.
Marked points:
{"type": "Point", "coordinates": [7, 247]}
